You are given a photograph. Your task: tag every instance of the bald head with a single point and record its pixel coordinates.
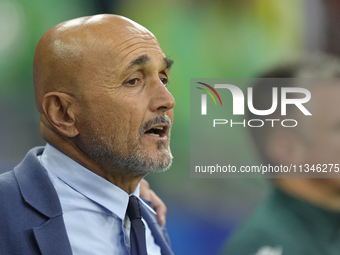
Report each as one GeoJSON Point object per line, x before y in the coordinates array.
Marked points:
{"type": "Point", "coordinates": [100, 84]}
{"type": "Point", "coordinates": [68, 53]}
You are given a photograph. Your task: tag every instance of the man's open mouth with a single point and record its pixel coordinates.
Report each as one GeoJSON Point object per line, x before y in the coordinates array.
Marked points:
{"type": "Point", "coordinates": [159, 130]}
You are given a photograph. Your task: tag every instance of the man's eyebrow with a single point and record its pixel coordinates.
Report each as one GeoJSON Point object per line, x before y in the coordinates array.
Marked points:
{"type": "Point", "coordinates": [168, 62]}
{"type": "Point", "coordinates": [141, 60]}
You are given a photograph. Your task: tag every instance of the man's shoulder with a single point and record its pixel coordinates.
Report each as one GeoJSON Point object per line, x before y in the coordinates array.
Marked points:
{"type": "Point", "coordinates": [8, 180]}
{"type": "Point", "coordinates": [28, 201]}
{"type": "Point", "coordinates": [260, 228]}
{"type": "Point", "coordinates": [8, 186]}
{"type": "Point", "coordinates": [27, 190]}
{"type": "Point", "coordinates": [270, 229]}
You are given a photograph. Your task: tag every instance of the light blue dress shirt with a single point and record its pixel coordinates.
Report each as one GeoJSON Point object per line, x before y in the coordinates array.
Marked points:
{"type": "Point", "coordinates": [94, 209]}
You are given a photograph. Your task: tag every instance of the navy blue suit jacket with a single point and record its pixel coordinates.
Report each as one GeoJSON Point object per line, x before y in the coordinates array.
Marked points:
{"type": "Point", "coordinates": [31, 218]}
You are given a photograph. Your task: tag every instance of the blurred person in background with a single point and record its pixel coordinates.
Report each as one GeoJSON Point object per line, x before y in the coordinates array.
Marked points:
{"type": "Point", "coordinates": [106, 114]}
{"type": "Point", "coordinates": [300, 215]}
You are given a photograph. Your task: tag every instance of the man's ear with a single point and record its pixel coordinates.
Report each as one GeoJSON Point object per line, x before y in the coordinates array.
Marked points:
{"type": "Point", "coordinates": [284, 147]}
{"type": "Point", "coordinates": [59, 109]}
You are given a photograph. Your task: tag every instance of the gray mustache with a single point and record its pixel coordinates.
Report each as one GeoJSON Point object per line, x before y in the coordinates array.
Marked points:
{"type": "Point", "coordinates": [157, 120]}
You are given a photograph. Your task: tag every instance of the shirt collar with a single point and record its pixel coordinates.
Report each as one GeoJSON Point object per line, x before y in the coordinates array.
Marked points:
{"type": "Point", "coordinates": [87, 182]}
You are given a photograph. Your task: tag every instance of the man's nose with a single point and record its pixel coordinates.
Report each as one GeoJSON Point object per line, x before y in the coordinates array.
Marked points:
{"type": "Point", "coordinates": [162, 99]}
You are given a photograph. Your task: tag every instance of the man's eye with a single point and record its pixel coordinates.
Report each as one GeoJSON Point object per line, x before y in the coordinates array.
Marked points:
{"type": "Point", "coordinates": [165, 81]}
{"type": "Point", "coordinates": [133, 81]}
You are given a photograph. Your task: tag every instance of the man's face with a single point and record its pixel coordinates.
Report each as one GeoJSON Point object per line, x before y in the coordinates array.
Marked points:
{"type": "Point", "coordinates": [126, 111]}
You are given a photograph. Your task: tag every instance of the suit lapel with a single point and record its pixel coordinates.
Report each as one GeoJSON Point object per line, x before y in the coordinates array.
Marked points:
{"type": "Point", "coordinates": [51, 238]}
{"type": "Point", "coordinates": [37, 190]}
{"type": "Point", "coordinates": [158, 232]}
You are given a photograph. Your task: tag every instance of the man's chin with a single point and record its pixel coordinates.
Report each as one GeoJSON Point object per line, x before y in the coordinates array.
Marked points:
{"type": "Point", "coordinates": [158, 162]}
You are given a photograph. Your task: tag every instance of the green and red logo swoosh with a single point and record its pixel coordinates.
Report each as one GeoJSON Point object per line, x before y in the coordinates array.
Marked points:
{"type": "Point", "coordinates": [208, 92]}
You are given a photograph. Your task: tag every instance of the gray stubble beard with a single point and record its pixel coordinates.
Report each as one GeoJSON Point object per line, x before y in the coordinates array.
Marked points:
{"type": "Point", "coordinates": [137, 163]}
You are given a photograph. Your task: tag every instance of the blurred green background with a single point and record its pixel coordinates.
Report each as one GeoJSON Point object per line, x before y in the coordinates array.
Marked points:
{"type": "Point", "coordinates": [206, 39]}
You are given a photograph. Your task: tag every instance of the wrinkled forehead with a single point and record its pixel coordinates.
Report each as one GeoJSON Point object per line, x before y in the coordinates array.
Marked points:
{"type": "Point", "coordinates": [129, 41]}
